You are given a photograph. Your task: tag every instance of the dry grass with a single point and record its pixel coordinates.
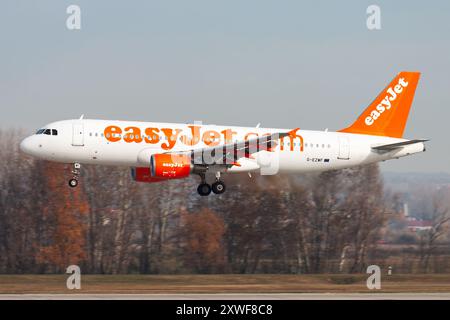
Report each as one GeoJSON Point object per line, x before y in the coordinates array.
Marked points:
{"type": "Point", "coordinates": [221, 283]}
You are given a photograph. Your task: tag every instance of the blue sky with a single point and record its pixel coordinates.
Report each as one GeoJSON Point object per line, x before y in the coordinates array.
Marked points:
{"type": "Point", "coordinates": [311, 64]}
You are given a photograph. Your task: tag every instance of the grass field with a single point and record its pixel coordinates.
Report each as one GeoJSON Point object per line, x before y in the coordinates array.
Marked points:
{"type": "Point", "coordinates": [222, 284]}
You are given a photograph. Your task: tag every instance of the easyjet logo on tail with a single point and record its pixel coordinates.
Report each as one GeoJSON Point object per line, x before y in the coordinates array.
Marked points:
{"type": "Point", "coordinates": [388, 113]}
{"type": "Point", "coordinates": [386, 103]}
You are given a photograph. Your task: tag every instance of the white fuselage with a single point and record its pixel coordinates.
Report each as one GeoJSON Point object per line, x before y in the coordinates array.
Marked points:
{"type": "Point", "coordinates": [131, 143]}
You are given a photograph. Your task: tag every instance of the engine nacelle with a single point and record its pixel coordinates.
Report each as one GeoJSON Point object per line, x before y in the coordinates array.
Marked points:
{"type": "Point", "coordinates": [143, 175]}
{"type": "Point", "coordinates": [170, 166]}
{"type": "Point", "coordinates": [164, 166]}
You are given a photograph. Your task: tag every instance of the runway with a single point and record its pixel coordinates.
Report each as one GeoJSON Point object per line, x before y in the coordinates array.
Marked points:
{"type": "Point", "coordinates": [233, 296]}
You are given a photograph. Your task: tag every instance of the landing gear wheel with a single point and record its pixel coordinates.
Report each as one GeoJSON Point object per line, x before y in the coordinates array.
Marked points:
{"type": "Point", "coordinates": [218, 187]}
{"type": "Point", "coordinates": [204, 189]}
{"type": "Point", "coordinates": [73, 183]}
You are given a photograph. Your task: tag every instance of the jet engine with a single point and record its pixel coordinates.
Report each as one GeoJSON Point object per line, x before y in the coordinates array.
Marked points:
{"type": "Point", "coordinates": [141, 174]}
{"type": "Point", "coordinates": [170, 166]}
{"type": "Point", "coordinates": [164, 166]}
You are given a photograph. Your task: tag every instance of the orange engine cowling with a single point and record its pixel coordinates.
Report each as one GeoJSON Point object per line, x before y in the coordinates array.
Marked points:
{"type": "Point", "coordinates": [143, 175]}
{"type": "Point", "coordinates": [170, 166]}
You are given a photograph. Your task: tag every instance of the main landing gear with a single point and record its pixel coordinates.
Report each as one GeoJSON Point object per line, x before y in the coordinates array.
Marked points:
{"type": "Point", "coordinates": [204, 189]}
{"type": "Point", "coordinates": [76, 172]}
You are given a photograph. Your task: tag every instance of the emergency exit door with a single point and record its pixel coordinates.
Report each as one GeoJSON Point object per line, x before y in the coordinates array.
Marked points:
{"type": "Point", "coordinates": [344, 148]}
{"type": "Point", "coordinates": [77, 134]}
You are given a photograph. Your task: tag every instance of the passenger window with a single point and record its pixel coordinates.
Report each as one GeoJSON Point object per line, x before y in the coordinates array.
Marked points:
{"type": "Point", "coordinates": [54, 132]}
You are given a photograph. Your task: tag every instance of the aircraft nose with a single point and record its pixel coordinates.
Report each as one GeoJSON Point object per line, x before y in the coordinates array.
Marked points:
{"type": "Point", "coordinates": [26, 146]}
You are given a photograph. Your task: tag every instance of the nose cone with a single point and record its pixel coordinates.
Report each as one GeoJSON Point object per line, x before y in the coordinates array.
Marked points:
{"type": "Point", "coordinates": [26, 146]}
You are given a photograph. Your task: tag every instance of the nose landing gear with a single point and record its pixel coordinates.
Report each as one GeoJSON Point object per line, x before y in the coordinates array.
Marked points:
{"type": "Point", "coordinates": [76, 169]}
{"type": "Point", "coordinates": [73, 183]}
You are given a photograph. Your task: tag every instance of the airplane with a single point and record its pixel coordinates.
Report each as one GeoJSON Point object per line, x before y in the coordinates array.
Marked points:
{"type": "Point", "coordinates": [157, 152]}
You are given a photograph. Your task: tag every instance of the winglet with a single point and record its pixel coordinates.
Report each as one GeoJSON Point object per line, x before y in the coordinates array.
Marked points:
{"type": "Point", "coordinates": [293, 132]}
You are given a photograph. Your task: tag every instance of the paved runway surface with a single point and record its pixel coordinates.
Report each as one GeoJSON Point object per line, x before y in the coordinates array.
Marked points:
{"type": "Point", "coordinates": [233, 296]}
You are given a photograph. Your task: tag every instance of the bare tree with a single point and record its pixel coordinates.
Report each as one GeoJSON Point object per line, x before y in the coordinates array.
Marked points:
{"type": "Point", "coordinates": [429, 238]}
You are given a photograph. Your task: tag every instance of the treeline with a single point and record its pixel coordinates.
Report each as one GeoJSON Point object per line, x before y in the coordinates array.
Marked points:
{"type": "Point", "coordinates": [325, 223]}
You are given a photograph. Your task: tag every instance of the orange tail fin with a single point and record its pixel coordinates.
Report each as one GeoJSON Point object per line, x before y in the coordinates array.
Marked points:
{"type": "Point", "coordinates": [388, 113]}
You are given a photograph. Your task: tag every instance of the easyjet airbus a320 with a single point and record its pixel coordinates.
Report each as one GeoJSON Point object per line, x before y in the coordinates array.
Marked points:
{"type": "Point", "coordinates": [162, 151]}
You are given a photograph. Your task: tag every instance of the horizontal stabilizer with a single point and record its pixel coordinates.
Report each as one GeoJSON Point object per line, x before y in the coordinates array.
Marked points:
{"type": "Point", "coordinates": [392, 146]}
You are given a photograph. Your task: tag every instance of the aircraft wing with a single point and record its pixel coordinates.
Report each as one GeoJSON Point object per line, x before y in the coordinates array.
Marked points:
{"type": "Point", "coordinates": [392, 146]}
{"type": "Point", "coordinates": [228, 154]}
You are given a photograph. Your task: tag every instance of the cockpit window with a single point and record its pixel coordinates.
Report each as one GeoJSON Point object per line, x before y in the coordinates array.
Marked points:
{"type": "Point", "coordinates": [50, 132]}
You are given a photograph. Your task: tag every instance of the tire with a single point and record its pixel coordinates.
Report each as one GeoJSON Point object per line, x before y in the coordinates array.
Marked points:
{"type": "Point", "coordinates": [218, 187]}
{"type": "Point", "coordinates": [204, 189]}
{"type": "Point", "coordinates": [73, 183]}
